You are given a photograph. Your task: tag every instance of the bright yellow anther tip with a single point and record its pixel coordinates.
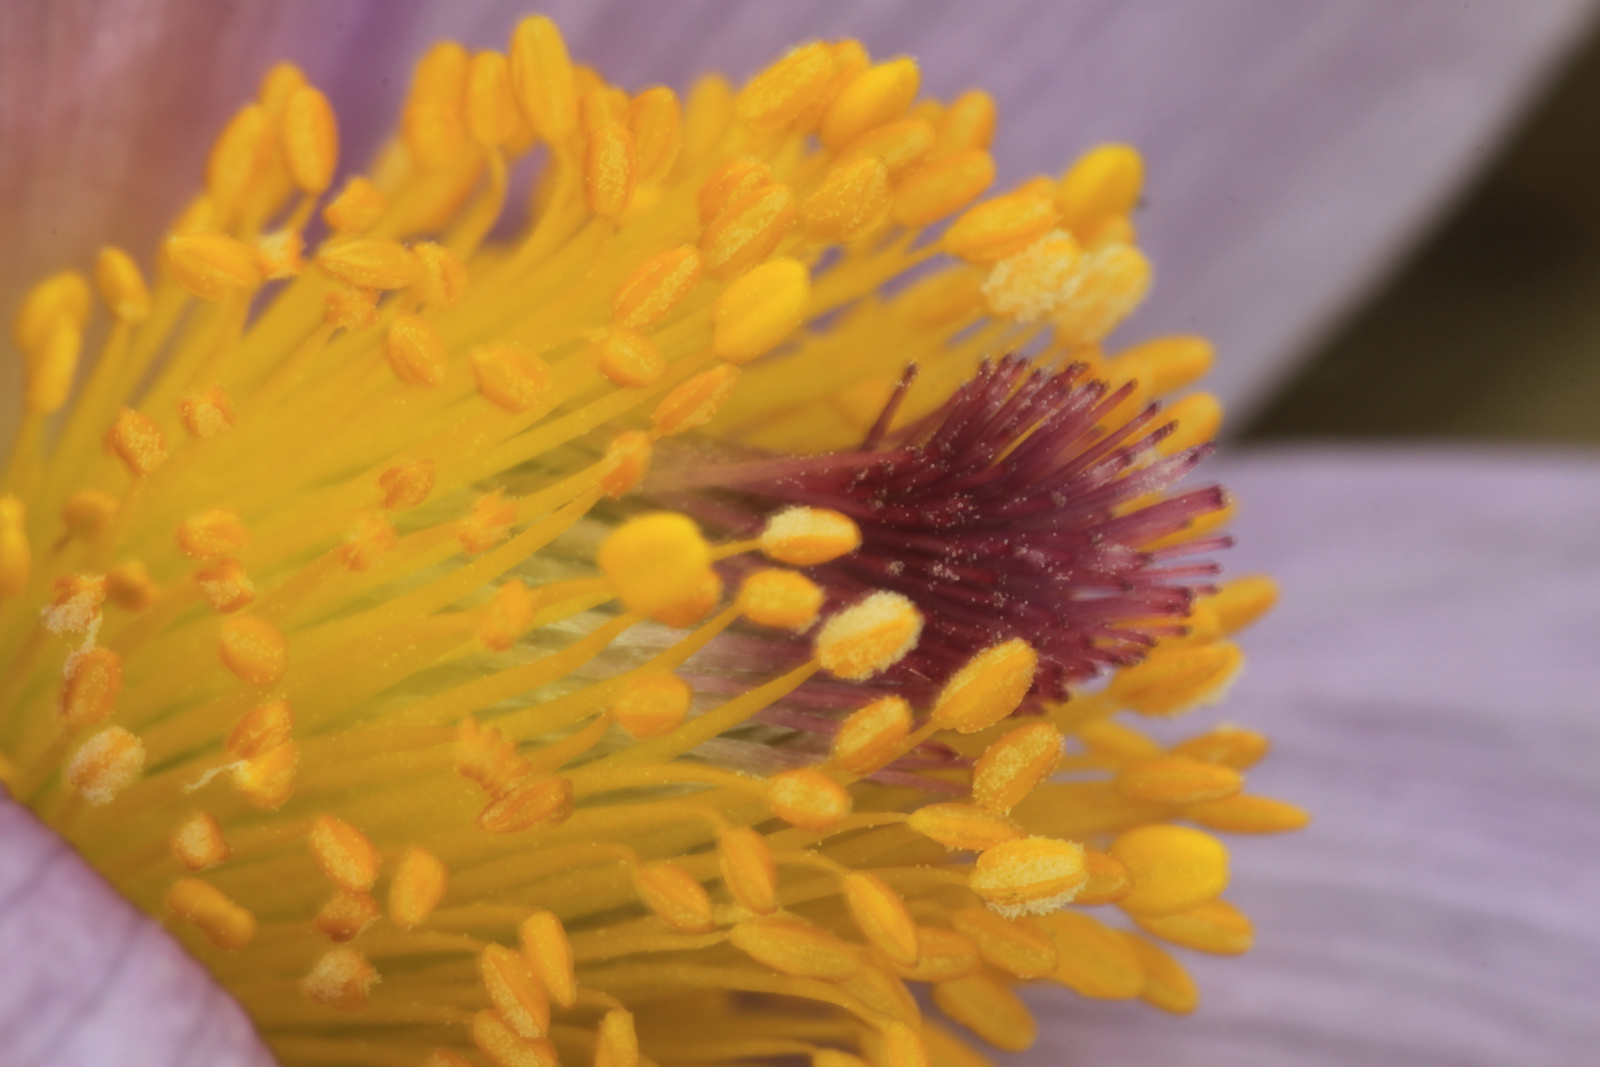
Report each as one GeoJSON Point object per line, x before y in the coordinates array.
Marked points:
{"type": "Point", "coordinates": [1174, 868]}
{"type": "Point", "coordinates": [372, 263]}
{"type": "Point", "coordinates": [808, 798]}
{"type": "Point", "coordinates": [877, 95]}
{"type": "Point", "coordinates": [655, 562]}
{"type": "Point", "coordinates": [64, 294]}
{"type": "Point", "coordinates": [122, 285]}
{"type": "Point", "coordinates": [871, 735]}
{"type": "Point", "coordinates": [105, 765]}
{"type": "Point", "coordinates": [869, 636]}
{"type": "Point", "coordinates": [781, 599]}
{"type": "Point", "coordinates": [542, 76]}
{"type": "Point", "coordinates": [1030, 875]}
{"type": "Point", "coordinates": [1243, 600]}
{"type": "Point", "coordinates": [226, 924]}
{"type": "Point", "coordinates": [1104, 181]}
{"type": "Point", "coordinates": [213, 266]}
{"type": "Point", "coordinates": [759, 310]}
{"type": "Point", "coordinates": [805, 537]}
{"type": "Point", "coordinates": [1001, 227]}
{"type": "Point", "coordinates": [695, 402]}
{"type": "Point", "coordinates": [1173, 680]}
{"type": "Point", "coordinates": [776, 96]}
{"type": "Point", "coordinates": [653, 704]}
{"type": "Point", "coordinates": [341, 979]}
{"type": "Point", "coordinates": [988, 688]}
{"type": "Point", "coordinates": [310, 135]}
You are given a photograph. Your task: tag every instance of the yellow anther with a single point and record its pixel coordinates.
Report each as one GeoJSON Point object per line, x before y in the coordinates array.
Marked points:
{"type": "Point", "coordinates": [734, 180]}
{"type": "Point", "coordinates": [344, 853]}
{"type": "Point", "coordinates": [240, 155]}
{"type": "Point", "coordinates": [793, 947]}
{"type": "Point", "coordinates": [655, 562]}
{"type": "Point", "coordinates": [676, 897]}
{"type": "Point", "coordinates": [656, 121]}
{"type": "Point", "coordinates": [805, 537]}
{"type": "Point", "coordinates": [746, 231]}
{"type": "Point", "coordinates": [16, 558]}
{"type": "Point", "coordinates": [901, 1045]}
{"type": "Point", "coordinates": [987, 1006]}
{"type": "Point", "coordinates": [544, 943]}
{"type": "Point", "coordinates": [1092, 959]}
{"type": "Point", "coordinates": [207, 414]}
{"type": "Point", "coordinates": [627, 358]}
{"type": "Point", "coordinates": [253, 649]}
{"type": "Point", "coordinates": [280, 254]}
{"type": "Point", "coordinates": [1036, 281]}
{"type": "Point", "coordinates": [900, 145]}
{"type": "Point", "coordinates": [63, 295]}
{"type": "Point", "coordinates": [1109, 880]}
{"type": "Point", "coordinates": [1117, 743]}
{"type": "Point", "coordinates": [877, 95]}
{"type": "Point", "coordinates": [1174, 868]}
{"type": "Point", "coordinates": [87, 513]}
{"type": "Point", "coordinates": [1230, 746]}
{"type": "Point", "coordinates": [1103, 182]}
{"type": "Point", "coordinates": [90, 691]}
{"type": "Point", "coordinates": [627, 460]}
{"type": "Point", "coordinates": [372, 263]}
{"type": "Point", "coordinates": [371, 539]}
{"type": "Point", "coordinates": [1114, 280]}
{"type": "Point", "coordinates": [808, 798]}
{"type": "Point", "coordinates": [1177, 780]}
{"type": "Point", "coordinates": [340, 979]}
{"type": "Point", "coordinates": [1166, 984]}
{"type": "Point", "coordinates": [487, 758]}
{"type": "Point", "coordinates": [346, 914]}
{"type": "Point", "coordinates": [432, 123]}
{"type": "Point", "coordinates": [310, 135]}
{"type": "Point", "coordinates": [50, 369]}
{"type": "Point", "coordinates": [653, 704]}
{"type": "Point", "coordinates": [515, 991]}
{"type": "Point", "coordinates": [988, 688]}
{"type": "Point", "coordinates": [261, 730]}
{"type": "Point", "coordinates": [755, 313]}
{"type": "Point", "coordinates": [695, 402]}
{"type": "Point", "coordinates": [778, 95]}
{"type": "Point", "coordinates": [881, 915]}
{"type": "Point", "coordinates": [848, 58]}
{"type": "Point", "coordinates": [443, 1057]}
{"type": "Point", "coordinates": [277, 85]}
{"type": "Point", "coordinates": [407, 485]}
{"type": "Point", "coordinates": [1242, 601]}
{"type": "Point", "coordinates": [226, 924]}
{"type": "Point", "coordinates": [610, 170]}
{"type": "Point", "coordinates": [509, 375]}
{"type": "Point", "coordinates": [599, 102]}
{"type": "Point", "coordinates": [1029, 875]}
{"type": "Point", "coordinates": [225, 586]}
{"type": "Point", "coordinates": [542, 75]}
{"type": "Point", "coordinates": [213, 266]}
{"type": "Point", "coordinates": [964, 826]}
{"type": "Point", "coordinates": [878, 987]}
{"type": "Point", "coordinates": [108, 763]}
{"type": "Point", "coordinates": [122, 285]}
{"type": "Point", "coordinates": [1010, 768]}
{"type": "Point", "coordinates": [1215, 926]}
{"type": "Point", "coordinates": [415, 352]}
{"type": "Point", "coordinates": [358, 206]}
{"type": "Point", "coordinates": [505, 1047]}
{"type": "Point", "coordinates": [941, 955]}
{"type": "Point", "coordinates": [871, 736]}
{"type": "Point", "coordinates": [491, 108]}
{"type": "Point", "coordinates": [267, 781]}
{"type": "Point", "coordinates": [1001, 227]}
{"type": "Point", "coordinates": [853, 198]}
{"type": "Point", "coordinates": [616, 1042]}
{"type": "Point", "coordinates": [418, 886]}
{"type": "Point", "coordinates": [537, 802]}
{"type": "Point", "coordinates": [656, 286]}
{"type": "Point", "coordinates": [506, 616]}
{"type": "Point", "coordinates": [75, 601]}
{"type": "Point", "coordinates": [1166, 364]}
{"type": "Point", "coordinates": [869, 636]}
{"type": "Point", "coordinates": [966, 124]}
{"type": "Point", "coordinates": [487, 524]}
{"type": "Point", "coordinates": [130, 586]}
{"type": "Point", "coordinates": [706, 117]}
{"type": "Point", "coordinates": [444, 276]}
{"type": "Point", "coordinates": [781, 599]}
{"type": "Point", "coordinates": [211, 534]}
{"type": "Point", "coordinates": [351, 309]}
{"type": "Point", "coordinates": [1174, 680]}
{"type": "Point", "coordinates": [1015, 947]}
{"type": "Point", "coordinates": [198, 843]}
{"type": "Point", "coordinates": [1246, 814]}
{"type": "Point", "coordinates": [748, 869]}
{"type": "Point", "coordinates": [1199, 417]}
{"type": "Point", "coordinates": [943, 187]}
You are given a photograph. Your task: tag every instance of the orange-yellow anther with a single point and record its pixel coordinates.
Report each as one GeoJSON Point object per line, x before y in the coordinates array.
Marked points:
{"type": "Point", "coordinates": [418, 886]}
{"type": "Point", "coordinates": [901, 1045]}
{"type": "Point", "coordinates": [1109, 880]}
{"type": "Point", "coordinates": [108, 763]}
{"type": "Point", "coordinates": [213, 266]}
{"type": "Point", "coordinates": [748, 869]}
{"type": "Point", "coordinates": [734, 180]}
{"type": "Point", "coordinates": [853, 198]}
{"type": "Point", "coordinates": [755, 313]}
{"type": "Point", "coordinates": [877, 95]}
{"type": "Point", "coordinates": [487, 758]}
{"type": "Point", "coordinates": [988, 688]}
{"type": "Point", "coordinates": [778, 95]}
{"type": "Point", "coordinates": [1174, 868]}
{"type": "Point", "coordinates": [676, 897]}
{"type": "Point", "coordinates": [340, 979]}
{"type": "Point", "coordinates": [536, 802]}
{"type": "Point", "coordinates": [1166, 984]}
{"type": "Point", "coordinates": [655, 562]}
{"type": "Point", "coordinates": [943, 187]}
{"type": "Point", "coordinates": [966, 124]}
{"type": "Point", "coordinates": [433, 124]}
{"type": "Point", "coordinates": [198, 843]}
{"type": "Point", "coordinates": [542, 75]}
{"type": "Point", "coordinates": [87, 513]}
{"type": "Point", "coordinates": [371, 539]}
{"type": "Point", "coordinates": [444, 276]}
{"type": "Point", "coordinates": [790, 946]}
{"type": "Point", "coordinates": [505, 1047]}
{"type": "Point", "coordinates": [63, 295]}
{"type": "Point", "coordinates": [964, 826]}
{"type": "Point", "coordinates": [899, 145]}
{"type": "Point", "coordinates": [610, 170]}
{"type": "Point", "coordinates": [346, 914]}
{"type": "Point", "coordinates": [226, 924]}
{"type": "Point", "coordinates": [351, 309]}
{"type": "Point", "coordinates": [515, 991]}
{"type": "Point", "coordinates": [1166, 364]}
{"type": "Point", "coordinates": [280, 254]}
{"type": "Point", "coordinates": [544, 942]}
{"type": "Point", "coordinates": [16, 558]}
{"type": "Point", "coordinates": [695, 402]}
{"type": "Point", "coordinates": [50, 369]}
{"type": "Point", "coordinates": [1198, 417]}
{"type": "Point", "coordinates": [415, 352]}
{"type": "Point", "coordinates": [746, 231]}
{"type": "Point", "coordinates": [1247, 814]}
{"type": "Point", "coordinates": [656, 286]}
{"type": "Point", "coordinates": [122, 285]}
{"type": "Point", "coordinates": [871, 736]}
{"type": "Point", "coordinates": [225, 586]}
{"type": "Point", "coordinates": [443, 1057]}
{"type": "Point", "coordinates": [358, 206]}
{"type": "Point", "coordinates": [1173, 680]}
{"type": "Point", "coordinates": [1215, 926]}
{"type": "Point", "coordinates": [1030, 874]}
{"type": "Point", "coordinates": [848, 58]}
{"type": "Point", "coordinates": [491, 108]}
{"type": "Point", "coordinates": [310, 134]}
{"type": "Point", "coordinates": [1110, 740]}
{"type": "Point", "coordinates": [1177, 780]}
{"type": "Point", "coordinates": [1001, 227]}
{"type": "Point", "coordinates": [1092, 959]}
{"type": "Point", "coordinates": [1242, 601]}
{"type": "Point", "coordinates": [1231, 746]}
{"type": "Point", "coordinates": [240, 155]}
{"type": "Point", "coordinates": [509, 375]}
{"type": "Point", "coordinates": [808, 798]}
{"type": "Point", "coordinates": [212, 533]}
{"type": "Point", "coordinates": [407, 485]}
{"type": "Point", "coordinates": [987, 1006]}
{"type": "Point", "coordinates": [627, 357]}
{"type": "Point", "coordinates": [1103, 182]}
{"type": "Point", "coordinates": [261, 729]}
{"type": "Point", "coordinates": [656, 121]}
{"type": "Point", "coordinates": [627, 459]}
{"type": "Point", "coordinates": [372, 263]}
{"type": "Point", "coordinates": [267, 781]}
{"type": "Point", "coordinates": [94, 679]}
{"type": "Point", "coordinates": [253, 649]}
{"type": "Point", "coordinates": [869, 636]}
{"type": "Point", "coordinates": [783, 599]}
{"type": "Point", "coordinates": [1010, 768]}
{"type": "Point", "coordinates": [75, 601]}
{"type": "Point", "coordinates": [207, 414]}
{"type": "Point", "coordinates": [1015, 947]}
{"type": "Point", "coordinates": [345, 854]}
{"type": "Point", "coordinates": [616, 1042]}
{"type": "Point", "coordinates": [487, 524]}
{"type": "Point", "coordinates": [881, 915]}
{"type": "Point", "coordinates": [805, 537]}
{"type": "Point", "coordinates": [506, 616]}
{"type": "Point", "coordinates": [653, 704]}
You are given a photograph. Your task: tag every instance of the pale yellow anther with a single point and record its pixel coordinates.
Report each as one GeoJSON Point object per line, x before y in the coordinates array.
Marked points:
{"type": "Point", "coordinates": [87, 513]}
{"type": "Point", "coordinates": [346, 914]}
{"type": "Point", "coordinates": [536, 802]}
{"type": "Point", "coordinates": [805, 537]}
{"type": "Point", "coordinates": [491, 108]}
{"type": "Point", "coordinates": [515, 991]}
{"type": "Point", "coordinates": [544, 942]}
{"type": "Point", "coordinates": [656, 121]}
{"type": "Point", "coordinates": [495, 1038]}
{"type": "Point", "coordinates": [872, 735]}
{"type": "Point", "coordinates": [226, 924]}
{"type": "Point", "coordinates": [487, 524]}
{"type": "Point", "coordinates": [444, 276]}
{"type": "Point", "coordinates": [735, 179]}
{"type": "Point", "coordinates": [345, 854]}
{"type": "Point", "coordinates": [968, 123]}
{"type": "Point", "coordinates": [122, 285]}
{"type": "Point", "coordinates": [655, 562]}
{"type": "Point", "coordinates": [778, 95]}
{"type": "Point", "coordinates": [627, 357]}
{"type": "Point", "coordinates": [372, 263]}
{"type": "Point", "coordinates": [986, 1005]}
{"type": "Point", "coordinates": [1231, 746]}
{"type": "Point", "coordinates": [1174, 868]}
{"type": "Point", "coordinates": [280, 254]}
{"type": "Point", "coordinates": [877, 95]}
{"type": "Point", "coordinates": [509, 375]}
{"type": "Point", "coordinates": [50, 369]}
{"type": "Point", "coordinates": [1029, 875]}
{"type": "Point", "coordinates": [406, 485]}
{"type": "Point", "coordinates": [1177, 780]}
{"type": "Point", "coordinates": [1114, 280]}
{"type": "Point", "coordinates": [869, 636]}
{"type": "Point", "coordinates": [899, 145]}
{"type": "Point", "coordinates": [414, 351]}
{"type": "Point", "coordinates": [748, 869]}
{"type": "Point", "coordinates": [75, 601]}
{"type": "Point", "coordinates": [358, 205]}
{"type": "Point", "coordinates": [695, 402]}
{"type": "Point", "coordinates": [652, 704]}
{"type": "Point", "coordinates": [1247, 814]}
{"type": "Point", "coordinates": [506, 616]}
{"type": "Point", "coordinates": [261, 730]}
{"type": "Point", "coordinates": [417, 888]}
{"type": "Point", "coordinates": [627, 460]}
{"type": "Point", "coordinates": [1109, 880]}
{"type": "Point", "coordinates": [808, 798]}
{"type": "Point", "coordinates": [1037, 281]}
{"type": "Point", "coordinates": [341, 979]}
{"type": "Point", "coordinates": [253, 649]}
{"type": "Point", "coordinates": [610, 170]}
{"type": "Point", "coordinates": [1173, 680]}
{"type": "Point", "coordinates": [1103, 182]}
{"type": "Point", "coordinates": [1241, 601]}
{"type": "Point", "coordinates": [63, 295]}
{"type": "Point", "coordinates": [368, 542]}
{"type": "Point", "coordinates": [1215, 926]}
{"type": "Point", "coordinates": [988, 688]}
{"type": "Point", "coordinates": [1010, 768]}
{"type": "Point", "coordinates": [1013, 946]}
{"type": "Point", "coordinates": [656, 286]}
{"type": "Point", "coordinates": [105, 765]}
{"type": "Point", "coordinates": [746, 231]}
{"type": "Point", "coordinates": [1198, 417]}
{"type": "Point", "coordinates": [1092, 959]}
{"type": "Point", "coordinates": [16, 557]}
{"type": "Point", "coordinates": [267, 781]}
{"type": "Point", "coordinates": [782, 599]}
{"type": "Point", "coordinates": [213, 266]}
{"type": "Point", "coordinates": [130, 586]}
{"type": "Point", "coordinates": [943, 187]}
{"type": "Point", "coordinates": [676, 897]}
{"type": "Point", "coordinates": [310, 137]}
{"type": "Point", "coordinates": [207, 414]}
{"type": "Point", "coordinates": [793, 947]}
{"type": "Point", "coordinates": [758, 311]}
{"type": "Point", "coordinates": [349, 308]}
{"type": "Point", "coordinates": [881, 916]}
{"type": "Point", "coordinates": [482, 755]}
{"type": "Point", "coordinates": [853, 198]}
{"type": "Point", "coordinates": [433, 124]}
{"type": "Point", "coordinates": [212, 534]}
{"type": "Point", "coordinates": [616, 1042]}
{"type": "Point", "coordinates": [225, 586]}
{"type": "Point", "coordinates": [964, 826]}
{"type": "Point", "coordinates": [240, 156]}
{"type": "Point", "coordinates": [543, 79]}
{"type": "Point", "coordinates": [198, 843]}
{"type": "Point", "coordinates": [89, 693]}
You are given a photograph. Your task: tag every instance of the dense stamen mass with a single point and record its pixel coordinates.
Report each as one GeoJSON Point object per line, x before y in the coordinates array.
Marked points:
{"type": "Point", "coordinates": [340, 626]}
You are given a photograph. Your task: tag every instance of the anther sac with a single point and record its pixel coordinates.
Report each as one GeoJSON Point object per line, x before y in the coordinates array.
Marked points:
{"type": "Point", "coordinates": [320, 636]}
